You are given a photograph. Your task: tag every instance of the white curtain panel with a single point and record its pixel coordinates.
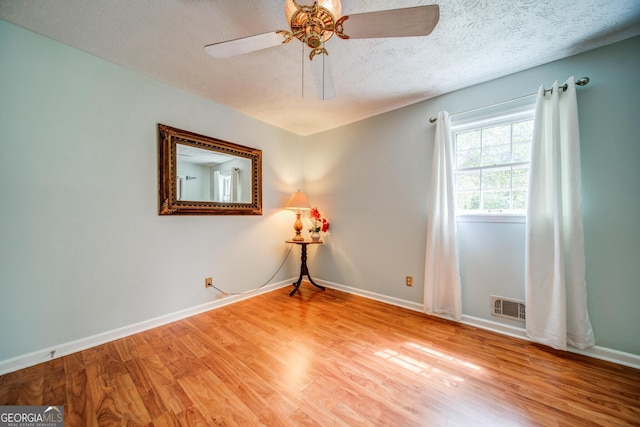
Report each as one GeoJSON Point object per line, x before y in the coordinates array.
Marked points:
{"type": "Point", "coordinates": [555, 286]}
{"type": "Point", "coordinates": [236, 195]}
{"type": "Point", "coordinates": [218, 186]}
{"type": "Point", "coordinates": [181, 187]}
{"type": "Point", "coordinates": [442, 289]}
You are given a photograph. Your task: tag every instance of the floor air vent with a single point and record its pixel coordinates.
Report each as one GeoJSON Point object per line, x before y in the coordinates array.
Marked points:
{"type": "Point", "coordinates": [508, 308]}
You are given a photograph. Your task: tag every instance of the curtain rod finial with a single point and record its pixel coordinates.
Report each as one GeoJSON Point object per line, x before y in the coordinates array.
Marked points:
{"type": "Point", "coordinates": [583, 81]}
{"type": "Point", "coordinates": [433, 119]}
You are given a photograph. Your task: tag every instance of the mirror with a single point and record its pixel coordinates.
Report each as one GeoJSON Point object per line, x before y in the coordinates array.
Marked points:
{"type": "Point", "coordinates": [200, 175]}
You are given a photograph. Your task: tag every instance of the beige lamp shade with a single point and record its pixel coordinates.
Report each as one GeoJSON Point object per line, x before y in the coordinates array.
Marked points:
{"type": "Point", "coordinates": [298, 202]}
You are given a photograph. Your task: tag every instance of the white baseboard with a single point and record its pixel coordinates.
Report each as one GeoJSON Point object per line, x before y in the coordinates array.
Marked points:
{"type": "Point", "coordinates": [372, 295]}
{"type": "Point", "coordinates": [31, 359]}
{"type": "Point", "coordinates": [597, 352]}
{"type": "Point", "coordinates": [64, 349]}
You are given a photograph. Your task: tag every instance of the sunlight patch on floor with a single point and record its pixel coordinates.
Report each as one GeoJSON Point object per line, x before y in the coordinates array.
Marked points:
{"type": "Point", "coordinates": [419, 367]}
{"type": "Point", "coordinates": [402, 360]}
{"type": "Point", "coordinates": [443, 356]}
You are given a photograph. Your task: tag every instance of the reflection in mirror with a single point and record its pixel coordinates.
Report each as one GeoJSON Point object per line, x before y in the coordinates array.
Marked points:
{"type": "Point", "coordinates": [208, 176]}
{"type": "Point", "coordinates": [200, 175]}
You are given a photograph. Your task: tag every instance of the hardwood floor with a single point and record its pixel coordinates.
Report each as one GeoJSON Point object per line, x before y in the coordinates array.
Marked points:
{"type": "Point", "coordinates": [326, 359]}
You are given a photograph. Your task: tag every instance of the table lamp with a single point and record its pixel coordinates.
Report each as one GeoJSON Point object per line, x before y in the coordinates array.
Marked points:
{"type": "Point", "coordinates": [298, 202]}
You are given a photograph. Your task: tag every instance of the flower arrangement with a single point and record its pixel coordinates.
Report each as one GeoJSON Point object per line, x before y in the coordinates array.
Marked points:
{"type": "Point", "coordinates": [318, 223]}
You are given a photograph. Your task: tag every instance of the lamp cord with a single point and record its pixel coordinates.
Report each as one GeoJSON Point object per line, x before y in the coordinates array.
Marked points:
{"type": "Point", "coordinates": [261, 286]}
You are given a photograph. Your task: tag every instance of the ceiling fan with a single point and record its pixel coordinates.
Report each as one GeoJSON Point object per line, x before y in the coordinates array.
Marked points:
{"type": "Point", "coordinates": [315, 22]}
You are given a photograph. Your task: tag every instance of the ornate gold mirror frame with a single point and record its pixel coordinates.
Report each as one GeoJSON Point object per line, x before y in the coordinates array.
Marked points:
{"type": "Point", "coordinates": [173, 200]}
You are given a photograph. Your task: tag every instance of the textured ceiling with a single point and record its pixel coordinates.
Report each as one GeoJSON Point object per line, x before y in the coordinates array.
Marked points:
{"type": "Point", "coordinates": [474, 41]}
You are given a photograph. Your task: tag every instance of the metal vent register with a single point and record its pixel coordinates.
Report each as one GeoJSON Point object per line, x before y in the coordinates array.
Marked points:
{"type": "Point", "coordinates": [508, 308]}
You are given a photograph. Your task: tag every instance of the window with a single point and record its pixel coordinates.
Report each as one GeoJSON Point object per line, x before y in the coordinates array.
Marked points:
{"type": "Point", "coordinates": [492, 158]}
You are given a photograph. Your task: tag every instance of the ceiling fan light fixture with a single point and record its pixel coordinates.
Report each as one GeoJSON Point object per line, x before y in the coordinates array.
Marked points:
{"type": "Point", "coordinates": [312, 22]}
{"type": "Point", "coordinates": [333, 6]}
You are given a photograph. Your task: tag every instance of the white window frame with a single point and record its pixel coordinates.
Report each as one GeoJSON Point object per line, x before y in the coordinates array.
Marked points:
{"type": "Point", "coordinates": [494, 116]}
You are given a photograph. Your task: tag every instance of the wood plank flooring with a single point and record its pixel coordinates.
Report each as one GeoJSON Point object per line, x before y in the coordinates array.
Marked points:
{"type": "Point", "coordinates": [326, 359]}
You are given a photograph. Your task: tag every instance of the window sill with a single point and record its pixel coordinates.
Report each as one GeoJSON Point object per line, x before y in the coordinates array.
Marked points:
{"type": "Point", "coordinates": [510, 218]}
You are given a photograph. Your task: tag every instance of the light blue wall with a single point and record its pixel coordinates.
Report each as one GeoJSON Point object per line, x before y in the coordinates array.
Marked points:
{"type": "Point", "coordinates": [371, 179]}
{"type": "Point", "coordinates": [83, 251]}
{"type": "Point", "coordinates": [82, 248]}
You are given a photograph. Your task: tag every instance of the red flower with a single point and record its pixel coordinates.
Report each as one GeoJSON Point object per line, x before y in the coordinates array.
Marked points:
{"type": "Point", "coordinates": [317, 222]}
{"type": "Point", "coordinates": [315, 214]}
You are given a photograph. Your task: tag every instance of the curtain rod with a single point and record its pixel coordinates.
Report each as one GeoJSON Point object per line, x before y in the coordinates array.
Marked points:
{"type": "Point", "coordinates": [581, 82]}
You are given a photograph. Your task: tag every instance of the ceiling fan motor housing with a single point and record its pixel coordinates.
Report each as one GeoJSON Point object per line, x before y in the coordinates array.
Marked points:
{"type": "Point", "coordinates": [312, 25]}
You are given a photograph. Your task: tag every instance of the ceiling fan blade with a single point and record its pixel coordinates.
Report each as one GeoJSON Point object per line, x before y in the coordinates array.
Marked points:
{"type": "Point", "coordinates": [322, 76]}
{"type": "Point", "coordinates": [235, 47]}
{"type": "Point", "coordinates": [412, 21]}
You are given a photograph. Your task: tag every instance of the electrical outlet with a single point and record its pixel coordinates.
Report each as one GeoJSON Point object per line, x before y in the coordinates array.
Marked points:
{"type": "Point", "coordinates": [409, 281]}
{"type": "Point", "coordinates": [208, 282]}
